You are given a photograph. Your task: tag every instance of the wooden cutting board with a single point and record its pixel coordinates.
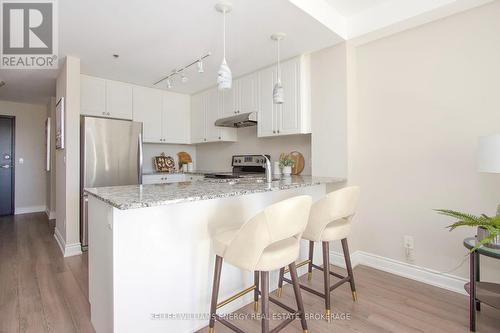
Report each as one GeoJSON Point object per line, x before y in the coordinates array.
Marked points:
{"type": "Point", "coordinates": [299, 164]}
{"type": "Point", "coordinates": [184, 158]}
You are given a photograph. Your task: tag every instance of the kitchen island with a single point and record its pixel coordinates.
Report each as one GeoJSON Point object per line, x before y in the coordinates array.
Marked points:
{"type": "Point", "coordinates": [150, 252]}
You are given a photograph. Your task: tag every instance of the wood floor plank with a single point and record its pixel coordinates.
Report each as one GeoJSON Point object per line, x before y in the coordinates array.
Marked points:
{"type": "Point", "coordinates": [41, 291]}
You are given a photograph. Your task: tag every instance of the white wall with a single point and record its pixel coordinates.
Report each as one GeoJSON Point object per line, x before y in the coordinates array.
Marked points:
{"type": "Point", "coordinates": [30, 187]}
{"type": "Point", "coordinates": [217, 156]}
{"type": "Point", "coordinates": [150, 150]}
{"type": "Point", "coordinates": [329, 112]}
{"type": "Point", "coordinates": [423, 97]}
{"type": "Point", "coordinates": [67, 230]}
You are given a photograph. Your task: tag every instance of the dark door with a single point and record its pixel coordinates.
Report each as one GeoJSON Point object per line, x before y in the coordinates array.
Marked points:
{"type": "Point", "coordinates": [6, 165]}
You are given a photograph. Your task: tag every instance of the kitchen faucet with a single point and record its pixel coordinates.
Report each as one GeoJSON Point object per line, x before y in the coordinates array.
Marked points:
{"type": "Point", "coordinates": [269, 176]}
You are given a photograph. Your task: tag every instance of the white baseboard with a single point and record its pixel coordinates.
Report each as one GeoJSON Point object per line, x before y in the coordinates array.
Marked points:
{"type": "Point", "coordinates": [50, 215]}
{"type": "Point", "coordinates": [30, 209]}
{"type": "Point", "coordinates": [410, 271]}
{"type": "Point", "coordinates": [67, 250]}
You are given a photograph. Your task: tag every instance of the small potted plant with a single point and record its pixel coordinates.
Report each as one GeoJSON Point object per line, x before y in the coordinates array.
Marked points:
{"type": "Point", "coordinates": [286, 164]}
{"type": "Point", "coordinates": [488, 228]}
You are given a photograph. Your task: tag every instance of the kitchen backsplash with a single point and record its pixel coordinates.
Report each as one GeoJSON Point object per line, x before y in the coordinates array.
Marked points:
{"type": "Point", "coordinates": [150, 150]}
{"type": "Point", "coordinates": [217, 156]}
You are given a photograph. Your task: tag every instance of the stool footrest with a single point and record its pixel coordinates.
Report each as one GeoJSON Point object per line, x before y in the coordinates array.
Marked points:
{"type": "Point", "coordinates": [305, 262]}
{"type": "Point", "coordinates": [236, 296]}
{"type": "Point", "coordinates": [331, 273]}
{"type": "Point", "coordinates": [306, 288]}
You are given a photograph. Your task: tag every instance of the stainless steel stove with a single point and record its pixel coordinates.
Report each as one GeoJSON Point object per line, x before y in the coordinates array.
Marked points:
{"type": "Point", "coordinates": [244, 166]}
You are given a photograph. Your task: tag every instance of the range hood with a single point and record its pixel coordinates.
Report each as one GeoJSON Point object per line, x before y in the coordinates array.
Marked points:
{"type": "Point", "coordinates": [239, 120]}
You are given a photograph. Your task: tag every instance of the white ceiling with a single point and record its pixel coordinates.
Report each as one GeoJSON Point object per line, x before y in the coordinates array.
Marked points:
{"type": "Point", "coordinates": [153, 37]}
{"type": "Point", "coordinates": [348, 8]}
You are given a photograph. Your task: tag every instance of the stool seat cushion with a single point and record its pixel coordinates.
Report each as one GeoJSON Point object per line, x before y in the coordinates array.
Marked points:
{"type": "Point", "coordinates": [221, 240]}
{"type": "Point", "coordinates": [330, 217]}
{"type": "Point", "coordinates": [269, 240]}
{"type": "Point", "coordinates": [335, 230]}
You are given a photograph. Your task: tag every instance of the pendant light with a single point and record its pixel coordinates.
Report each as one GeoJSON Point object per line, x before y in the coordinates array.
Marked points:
{"type": "Point", "coordinates": [278, 95]}
{"type": "Point", "coordinates": [224, 76]}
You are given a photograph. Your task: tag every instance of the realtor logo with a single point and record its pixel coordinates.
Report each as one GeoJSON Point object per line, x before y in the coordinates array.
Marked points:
{"type": "Point", "coordinates": [28, 34]}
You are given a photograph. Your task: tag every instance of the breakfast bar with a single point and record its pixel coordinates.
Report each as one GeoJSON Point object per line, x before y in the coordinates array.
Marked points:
{"type": "Point", "coordinates": [150, 255]}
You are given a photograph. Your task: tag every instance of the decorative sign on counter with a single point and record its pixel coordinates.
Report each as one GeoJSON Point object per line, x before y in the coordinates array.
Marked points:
{"type": "Point", "coordinates": [164, 163]}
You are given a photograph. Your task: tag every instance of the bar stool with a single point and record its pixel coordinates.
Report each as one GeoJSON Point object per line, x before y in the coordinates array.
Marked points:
{"type": "Point", "coordinates": [268, 241]}
{"type": "Point", "coordinates": [330, 220]}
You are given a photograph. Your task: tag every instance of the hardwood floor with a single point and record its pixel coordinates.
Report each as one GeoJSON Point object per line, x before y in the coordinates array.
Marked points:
{"type": "Point", "coordinates": [40, 291]}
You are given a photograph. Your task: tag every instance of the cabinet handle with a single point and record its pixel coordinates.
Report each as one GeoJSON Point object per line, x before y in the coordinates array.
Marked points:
{"type": "Point", "coordinates": [274, 132]}
{"type": "Point", "coordinates": [219, 137]}
{"type": "Point", "coordinates": [278, 131]}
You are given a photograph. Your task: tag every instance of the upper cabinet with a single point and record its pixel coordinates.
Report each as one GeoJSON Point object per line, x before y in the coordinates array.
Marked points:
{"type": "Point", "coordinates": [294, 115]}
{"type": "Point", "coordinates": [119, 99]}
{"type": "Point", "coordinates": [165, 115]}
{"type": "Point", "coordinates": [148, 110]}
{"type": "Point", "coordinates": [105, 98]}
{"type": "Point", "coordinates": [206, 108]}
{"type": "Point", "coordinates": [176, 117]}
{"type": "Point", "coordinates": [92, 96]}
{"type": "Point", "coordinates": [243, 97]}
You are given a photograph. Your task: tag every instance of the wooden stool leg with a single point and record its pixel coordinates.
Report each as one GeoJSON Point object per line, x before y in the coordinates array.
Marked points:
{"type": "Point", "coordinates": [264, 277]}
{"type": "Point", "coordinates": [256, 291]}
{"type": "Point", "coordinates": [326, 275]}
{"type": "Point", "coordinates": [310, 266]}
{"type": "Point", "coordinates": [215, 293]}
{"type": "Point", "coordinates": [348, 265]}
{"type": "Point", "coordinates": [298, 296]}
{"type": "Point", "coordinates": [280, 282]}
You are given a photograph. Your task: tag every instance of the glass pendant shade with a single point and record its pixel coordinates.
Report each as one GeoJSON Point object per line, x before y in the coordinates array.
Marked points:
{"type": "Point", "coordinates": [224, 76]}
{"type": "Point", "coordinates": [278, 95]}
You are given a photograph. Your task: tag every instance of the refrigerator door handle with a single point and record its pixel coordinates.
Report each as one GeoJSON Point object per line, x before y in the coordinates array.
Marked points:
{"type": "Point", "coordinates": [85, 224]}
{"type": "Point", "coordinates": [139, 160]}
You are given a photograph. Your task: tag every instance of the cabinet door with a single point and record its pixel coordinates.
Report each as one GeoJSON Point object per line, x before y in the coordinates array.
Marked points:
{"type": "Point", "coordinates": [198, 118]}
{"type": "Point", "coordinates": [92, 96]}
{"type": "Point", "coordinates": [147, 109]}
{"type": "Point", "coordinates": [266, 124]}
{"type": "Point", "coordinates": [229, 101]}
{"type": "Point", "coordinates": [248, 93]}
{"type": "Point", "coordinates": [176, 119]}
{"type": "Point", "coordinates": [119, 100]}
{"type": "Point", "coordinates": [213, 103]}
{"type": "Point", "coordinates": [289, 112]}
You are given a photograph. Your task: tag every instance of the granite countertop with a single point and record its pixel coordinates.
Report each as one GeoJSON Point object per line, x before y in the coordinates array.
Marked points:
{"type": "Point", "coordinates": [196, 172]}
{"type": "Point", "coordinates": [139, 196]}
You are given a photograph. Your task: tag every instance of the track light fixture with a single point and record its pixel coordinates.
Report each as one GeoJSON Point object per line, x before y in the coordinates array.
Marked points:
{"type": "Point", "coordinates": [182, 70]}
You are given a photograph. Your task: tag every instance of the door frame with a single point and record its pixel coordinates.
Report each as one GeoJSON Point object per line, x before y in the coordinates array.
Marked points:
{"type": "Point", "coordinates": [13, 180]}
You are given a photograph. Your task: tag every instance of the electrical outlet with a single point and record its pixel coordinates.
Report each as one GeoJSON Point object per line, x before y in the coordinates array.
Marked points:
{"type": "Point", "coordinates": [408, 242]}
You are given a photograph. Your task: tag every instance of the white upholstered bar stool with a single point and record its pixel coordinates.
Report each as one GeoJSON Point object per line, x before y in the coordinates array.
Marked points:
{"type": "Point", "coordinates": [268, 241]}
{"type": "Point", "coordinates": [330, 220]}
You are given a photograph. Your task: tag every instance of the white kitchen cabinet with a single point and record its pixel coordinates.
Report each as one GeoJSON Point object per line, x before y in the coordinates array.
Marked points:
{"type": "Point", "coordinates": [147, 108]}
{"type": "Point", "coordinates": [294, 115]}
{"type": "Point", "coordinates": [197, 118]}
{"type": "Point", "coordinates": [92, 96]}
{"type": "Point", "coordinates": [119, 102]}
{"type": "Point", "coordinates": [213, 111]}
{"type": "Point", "coordinates": [266, 117]}
{"type": "Point", "coordinates": [163, 178]}
{"type": "Point", "coordinates": [206, 108]}
{"type": "Point", "coordinates": [176, 118]}
{"type": "Point", "coordinates": [229, 101]}
{"type": "Point", "coordinates": [247, 93]}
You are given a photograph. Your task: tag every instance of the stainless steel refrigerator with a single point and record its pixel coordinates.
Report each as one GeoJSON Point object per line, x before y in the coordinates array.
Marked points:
{"type": "Point", "coordinates": [110, 155]}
